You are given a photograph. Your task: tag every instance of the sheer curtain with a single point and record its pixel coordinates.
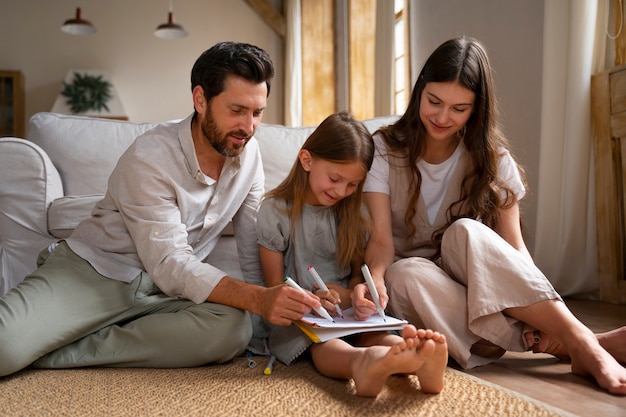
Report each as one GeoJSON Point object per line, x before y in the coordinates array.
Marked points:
{"type": "Point", "coordinates": [383, 84]}
{"type": "Point", "coordinates": [293, 64]}
{"type": "Point", "coordinates": [565, 237]}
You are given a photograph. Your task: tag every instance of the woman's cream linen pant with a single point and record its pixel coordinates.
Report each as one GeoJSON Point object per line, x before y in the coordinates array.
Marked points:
{"type": "Point", "coordinates": [66, 315]}
{"type": "Point", "coordinates": [480, 276]}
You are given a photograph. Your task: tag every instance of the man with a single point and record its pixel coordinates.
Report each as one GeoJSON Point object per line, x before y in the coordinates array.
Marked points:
{"type": "Point", "coordinates": [129, 287]}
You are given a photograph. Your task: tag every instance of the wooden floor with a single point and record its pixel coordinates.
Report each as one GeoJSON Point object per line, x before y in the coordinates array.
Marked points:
{"type": "Point", "coordinates": [545, 378]}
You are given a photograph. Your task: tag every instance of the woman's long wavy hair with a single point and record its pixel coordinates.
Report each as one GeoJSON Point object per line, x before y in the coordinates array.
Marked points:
{"type": "Point", "coordinates": [340, 139]}
{"type": "Point", "coordinates": [462, 60]}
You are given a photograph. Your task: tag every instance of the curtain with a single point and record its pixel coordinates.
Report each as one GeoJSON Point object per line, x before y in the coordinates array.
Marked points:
{"type": "Point", "coordinates": [383, 84]}
{"type": "Point", "coordinates": [293, 64]}
{"type": "Point", "coordinates": [565, 236]}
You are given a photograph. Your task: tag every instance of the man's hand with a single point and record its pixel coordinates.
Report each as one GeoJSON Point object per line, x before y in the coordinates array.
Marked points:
{"type": "Point", "coordinates": [362, 300]}
{"type": "Point", "coordinates": [282, 304]}
{"type": "Point", "coordinates": [279, 305]}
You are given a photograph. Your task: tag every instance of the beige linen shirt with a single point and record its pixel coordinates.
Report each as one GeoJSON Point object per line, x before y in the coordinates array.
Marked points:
{"type": "Point", "coordinates": [162, 215]}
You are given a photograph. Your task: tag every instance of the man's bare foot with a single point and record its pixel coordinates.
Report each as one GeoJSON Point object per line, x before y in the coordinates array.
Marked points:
{"type": "Point", "coordinates": [589, 358]}
{"type": "Point", "coordinates": [377, 363]}
{"type": "Point", "coordinates": [431, 373]}
{"type": "Point", "coordinates": [614, 342]}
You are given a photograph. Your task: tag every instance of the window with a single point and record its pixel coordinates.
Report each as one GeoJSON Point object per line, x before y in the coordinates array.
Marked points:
{"type": "Point", "coordinates": [339, 58]}
{"type": "Point", "coordinates": [401, 80]}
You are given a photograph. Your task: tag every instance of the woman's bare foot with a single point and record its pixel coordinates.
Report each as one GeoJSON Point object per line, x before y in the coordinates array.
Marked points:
{"type": "Point", "coordinates": [432, 371]}
{"type": "Point", "coordinates": [613, 341]}
{"type": "Point", "coordinates": [377, 363]}
{"type": "Point", "coordinates": [590, 358]}
{"type": "Point", "coordinates": [540, 342]}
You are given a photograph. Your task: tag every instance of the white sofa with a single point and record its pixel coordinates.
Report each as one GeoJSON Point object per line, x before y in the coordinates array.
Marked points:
{"type": "Point", "coordinates": [50, 181]}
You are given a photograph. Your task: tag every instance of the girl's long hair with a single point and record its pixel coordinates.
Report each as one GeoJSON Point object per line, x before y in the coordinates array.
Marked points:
{"type": "Point", "coordinates": [340, 139]}
{"type": "Point", "coordinates": [462, 60]}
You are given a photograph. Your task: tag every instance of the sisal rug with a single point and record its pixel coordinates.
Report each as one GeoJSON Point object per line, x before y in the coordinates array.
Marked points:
{"type": "Point", "coordinates": [234, 389]}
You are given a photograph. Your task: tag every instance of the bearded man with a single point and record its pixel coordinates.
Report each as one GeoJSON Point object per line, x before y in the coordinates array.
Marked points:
{"type": "Point", "coordinates": [131, 286]}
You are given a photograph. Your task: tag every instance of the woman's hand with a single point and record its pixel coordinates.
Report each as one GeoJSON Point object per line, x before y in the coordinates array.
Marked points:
{"type": "Point", "coordinates": [362, 301]}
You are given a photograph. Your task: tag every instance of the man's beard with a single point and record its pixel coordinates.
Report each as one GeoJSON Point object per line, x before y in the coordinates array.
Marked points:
{"type": "Point", "coordinates": [219, 141]}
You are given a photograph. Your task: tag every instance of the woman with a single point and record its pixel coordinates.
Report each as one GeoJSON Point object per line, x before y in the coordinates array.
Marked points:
{"type": "Point", "coordinates": [443, 194]}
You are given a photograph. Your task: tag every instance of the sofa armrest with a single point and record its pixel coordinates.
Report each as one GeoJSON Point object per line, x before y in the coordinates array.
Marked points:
{"type": "Point", "coordinates": [29, 182]}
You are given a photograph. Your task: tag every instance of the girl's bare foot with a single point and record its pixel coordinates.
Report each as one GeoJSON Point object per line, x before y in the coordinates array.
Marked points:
{"type": "Point", "coordinates": [432, 371]}
{"type": "Point", "coordinates": [377, 363]}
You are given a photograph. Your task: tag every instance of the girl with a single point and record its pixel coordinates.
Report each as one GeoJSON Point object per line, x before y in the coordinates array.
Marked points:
{"type": "Point", "coordinates": [314, 217]}
{"type": "Point", "coordinates": [443, 195]}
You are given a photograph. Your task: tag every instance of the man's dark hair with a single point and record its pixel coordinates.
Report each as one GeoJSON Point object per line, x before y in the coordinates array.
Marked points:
{"type": "Point", "coordinates": [244, 60]}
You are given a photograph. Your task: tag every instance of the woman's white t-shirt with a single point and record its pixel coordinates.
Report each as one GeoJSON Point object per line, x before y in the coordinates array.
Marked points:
{"type": "Point", "coordinates": [436, 177]}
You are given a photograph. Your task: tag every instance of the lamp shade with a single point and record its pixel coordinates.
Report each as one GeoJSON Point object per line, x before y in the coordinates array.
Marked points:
{"type": "Point", "coordinates": [170, 30]}
{"type": "Point", "coordinates": [78, 25]}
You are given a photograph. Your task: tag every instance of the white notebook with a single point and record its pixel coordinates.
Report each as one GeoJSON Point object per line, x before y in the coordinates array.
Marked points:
{"type": "Point", "coordinates": [320, 330]}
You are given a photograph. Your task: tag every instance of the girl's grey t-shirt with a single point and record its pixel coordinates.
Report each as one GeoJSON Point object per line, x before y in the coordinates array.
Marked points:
{"type": "Point", "coordinates": [313, 243]}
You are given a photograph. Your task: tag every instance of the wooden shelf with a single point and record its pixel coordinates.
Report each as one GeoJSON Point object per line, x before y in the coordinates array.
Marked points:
{"type": "Point", "coordinates": [608, 107]}
{"type": "Point", "coordinates": [12, 104]}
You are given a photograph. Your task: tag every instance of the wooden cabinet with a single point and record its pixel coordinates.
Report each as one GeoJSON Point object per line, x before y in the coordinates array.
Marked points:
{"type": "Point", "coordinates": [608, 104]}
{"type": "Point", "coordinates": [12, 104]}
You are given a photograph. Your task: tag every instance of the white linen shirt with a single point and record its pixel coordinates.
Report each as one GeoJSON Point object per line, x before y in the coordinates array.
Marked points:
{"type": "Point", "coordinates": [162, 215]}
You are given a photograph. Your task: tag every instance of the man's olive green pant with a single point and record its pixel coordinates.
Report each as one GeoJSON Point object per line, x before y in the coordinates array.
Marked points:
{"type": "Point", "coordinates": [66, 315]}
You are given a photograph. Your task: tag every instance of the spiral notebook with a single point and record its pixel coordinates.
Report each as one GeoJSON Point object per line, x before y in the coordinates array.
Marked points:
{"type": "Point", "coordinates": [320, 330]}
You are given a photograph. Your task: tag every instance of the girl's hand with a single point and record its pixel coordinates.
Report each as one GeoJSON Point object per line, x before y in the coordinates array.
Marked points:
{"type": "Point", "coordinates": [329, 299]}
{"type": "Point", "coordinates": [344, 295]}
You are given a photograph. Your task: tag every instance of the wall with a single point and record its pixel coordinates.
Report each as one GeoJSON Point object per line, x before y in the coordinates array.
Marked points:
{"type": "Point", "coordinates": [512, 33]}
{"type": "Point", "coordinates": [150, 74]}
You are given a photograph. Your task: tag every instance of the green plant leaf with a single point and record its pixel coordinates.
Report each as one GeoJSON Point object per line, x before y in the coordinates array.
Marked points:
{"type": "Point", "coordinates": [87, 92]}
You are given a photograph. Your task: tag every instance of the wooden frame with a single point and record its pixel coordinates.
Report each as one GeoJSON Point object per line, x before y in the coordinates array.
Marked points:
{"type": "Point", "coordinates": [12, 104]}
{"type": "Point", "coordinates": [608, 106]}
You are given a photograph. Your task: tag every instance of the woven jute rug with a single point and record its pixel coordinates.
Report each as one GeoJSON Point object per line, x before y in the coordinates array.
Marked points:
{"type": "Point", "coordinates": [235, 389]}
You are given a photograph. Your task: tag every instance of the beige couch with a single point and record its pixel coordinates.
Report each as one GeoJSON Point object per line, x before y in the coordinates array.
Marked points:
{"type": "Point", "coordinates": [50, 181]}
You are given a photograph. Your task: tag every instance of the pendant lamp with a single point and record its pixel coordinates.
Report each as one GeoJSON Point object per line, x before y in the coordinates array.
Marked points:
{"type": "Point", "coordinates": [170, 30]}
{"type": "Point", "coordinates": [78, 25]}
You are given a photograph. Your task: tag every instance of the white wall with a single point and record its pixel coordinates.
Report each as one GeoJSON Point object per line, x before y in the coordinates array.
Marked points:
{"type": "Point", "coordinates": [150, 74]}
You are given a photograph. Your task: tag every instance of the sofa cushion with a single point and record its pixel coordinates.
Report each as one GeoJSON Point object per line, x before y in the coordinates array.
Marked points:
{"type": "Point", "coordinates": [279, 147]}
{"type": "Point", "coordinates": [83, 149]}
{"type": "Point", "coordinates": [65, 213]}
